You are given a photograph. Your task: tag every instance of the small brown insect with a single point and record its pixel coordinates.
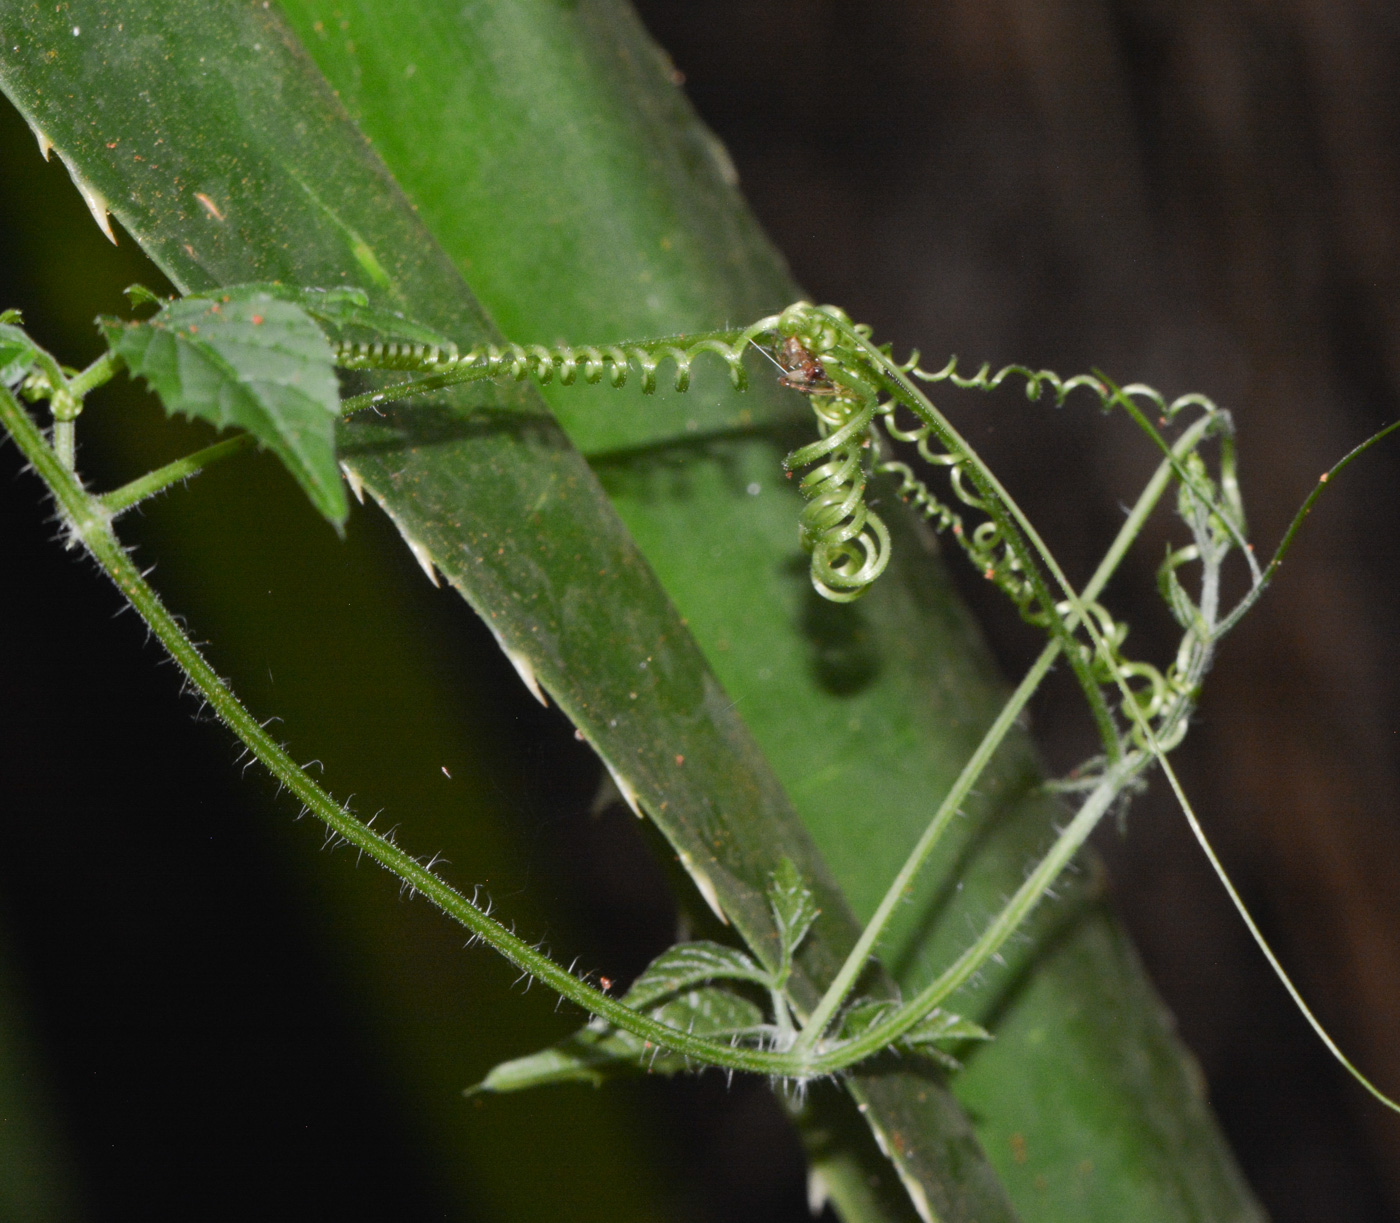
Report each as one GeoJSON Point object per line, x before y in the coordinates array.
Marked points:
{"type": "Point", "coordinates": [801, 369]}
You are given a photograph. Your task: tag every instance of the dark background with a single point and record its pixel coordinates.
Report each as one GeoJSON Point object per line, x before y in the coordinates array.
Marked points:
{"type": "Point", "coordinates": [1200, 195]}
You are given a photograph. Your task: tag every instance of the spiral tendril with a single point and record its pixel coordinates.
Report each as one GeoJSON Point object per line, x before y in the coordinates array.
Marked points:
{"type": "Point", "coordinates": [568, 363]}
{"type": "Point", "coordinates": [858, 399]}
{"type": "Point", "coordinates": [848, 541]}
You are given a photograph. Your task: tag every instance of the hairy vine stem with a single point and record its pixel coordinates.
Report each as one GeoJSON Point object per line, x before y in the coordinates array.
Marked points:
{"type": "Point", "coordinates": [88, 523]}
{"type": "Point", "coordinates": [856, 391]}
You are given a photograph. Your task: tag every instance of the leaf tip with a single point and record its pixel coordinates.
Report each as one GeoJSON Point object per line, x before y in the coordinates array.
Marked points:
{"type": "Point", "coordinates": [139, 295]}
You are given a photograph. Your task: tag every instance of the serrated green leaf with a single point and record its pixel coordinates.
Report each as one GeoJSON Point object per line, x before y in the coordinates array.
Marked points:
{"type": "Point", "coordinates": [481, 480]}
{"type": "Point", "coordinates": [712, 1011]}
{"type": "Point", "coordinates": [794, 907]}
{"type": "Point", "coordinates": [688, 964]}
{"type": "Point", "coordinates": [864, 1014]}
{"type": "Point", "coordinates": [248, 361]}
{"type": "Point", "coordinates": [937, 1027]}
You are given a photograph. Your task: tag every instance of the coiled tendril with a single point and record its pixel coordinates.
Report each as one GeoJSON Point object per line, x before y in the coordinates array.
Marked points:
{"type": "Point", "coordinates": [858, 394]}
{"type": "Point", "coordinates": [568, 363]}
{"type": "Point", "coordinates": [849, 544]}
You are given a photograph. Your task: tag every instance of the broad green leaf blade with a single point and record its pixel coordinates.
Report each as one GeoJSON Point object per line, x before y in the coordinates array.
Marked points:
{"type": "Point", "coordinates": [246, 361]}
{"type": "Point", "coordinates": [512, 130]}
{"type": "Point", "coordinates": [353, 649]}
{"type": "Point", "coordinates": [688, 964]}
{"type": "Point", "coordinates": [867, 712]}
{"type": "Point", "coordinates": [581, 90]}
{"type": "Point", "coordinates": [846, 1165]}
{"type": "Point", "coordinates": [481, 482]}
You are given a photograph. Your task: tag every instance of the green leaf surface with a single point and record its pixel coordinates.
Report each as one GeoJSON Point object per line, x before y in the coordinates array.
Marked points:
{"type": "Point", "coordinates": [344, 312]}
{"type": "Point", "coordinates": [710, 1012]}
{"type": "Point", "coordinates": [598, 1050]}
{"type": "Point", "coordinates": [16, 353]}
{"type": "Point", "coordinates": [623, 221]}
{"type": "Point", "coordinates": [945, 1027]}
{"type": "Point", "coordinates": [937, 1027]}
{"type": "Point", "coordinates": [583, 1056]}
{"type": "Point", "coordinates": [586, 1057]}
{"type": "Point", "coordinates": [794, 907]}
{"type": "Point", "coordinates": [246, 361]}
{"type": "Point", "coordinates": [236, 164]}
{"type": "Point", "coordinates": [512, 127]}
{"type": "Point", "coordinates": [688, 964]}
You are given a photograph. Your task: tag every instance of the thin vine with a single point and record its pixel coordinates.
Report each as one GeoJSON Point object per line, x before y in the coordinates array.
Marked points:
{"type": "Point", "coordinates": [867, 407]}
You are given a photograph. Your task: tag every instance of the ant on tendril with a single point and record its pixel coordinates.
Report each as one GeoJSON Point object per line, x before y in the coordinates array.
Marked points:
{"type": "Point", "coordinates": [802, 371]}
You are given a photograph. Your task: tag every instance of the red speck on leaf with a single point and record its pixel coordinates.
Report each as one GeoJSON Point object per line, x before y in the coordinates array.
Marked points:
{"type": "Point", "coordinates": [257, 320]}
